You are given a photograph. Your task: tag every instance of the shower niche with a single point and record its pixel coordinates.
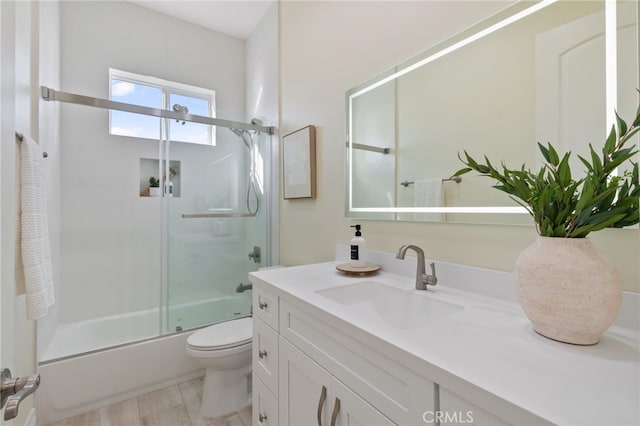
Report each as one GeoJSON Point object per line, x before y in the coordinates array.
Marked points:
{"type": "Point", "coordinates": [149, 175]}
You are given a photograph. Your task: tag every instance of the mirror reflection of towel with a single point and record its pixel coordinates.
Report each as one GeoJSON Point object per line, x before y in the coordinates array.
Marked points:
{"type": "Point", "coordinates": [428, 193]}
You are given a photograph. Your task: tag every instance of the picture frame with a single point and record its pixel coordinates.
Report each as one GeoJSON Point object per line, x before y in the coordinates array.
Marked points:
{"type": "Point", "coordinates": [299, 163]}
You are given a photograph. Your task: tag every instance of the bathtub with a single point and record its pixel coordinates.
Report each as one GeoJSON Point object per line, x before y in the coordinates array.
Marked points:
{"type": "Point", "coordinates": [90, 364]}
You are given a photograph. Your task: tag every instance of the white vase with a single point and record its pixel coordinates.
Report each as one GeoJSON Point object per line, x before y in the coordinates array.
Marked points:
{"type": "Point", "coordinates": [568, 291]}
{"type": "Point", "coordinates": [154, 191]}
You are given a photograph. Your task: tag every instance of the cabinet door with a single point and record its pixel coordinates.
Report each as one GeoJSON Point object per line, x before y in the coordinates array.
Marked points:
{"type": "Point", "coordinates": [303, 388]}
{"type": "Point", "coordinates": [348, 409]}
{"type": "Point", "coordinates": [309, 395]}
{"type": "Point", "coordinates": [265, 405]}
{"type": "Point", "coordinates": [455, 410]}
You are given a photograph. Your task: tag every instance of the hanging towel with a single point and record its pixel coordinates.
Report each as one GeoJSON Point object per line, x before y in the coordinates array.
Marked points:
{"type": "Point", "coordinates": [428, 193]}
{"type": "Point", "coordinates": [34, 277]}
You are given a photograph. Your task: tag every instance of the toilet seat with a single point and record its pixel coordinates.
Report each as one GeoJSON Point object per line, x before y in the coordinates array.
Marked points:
{"type": "Point", "coordinates": [224, 335]}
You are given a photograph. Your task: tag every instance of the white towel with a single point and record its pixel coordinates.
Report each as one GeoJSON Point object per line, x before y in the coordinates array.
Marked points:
{"type": "Point", "coordinates": [34, 276]}
{"type": "Point", "coordinates": [428, 193]}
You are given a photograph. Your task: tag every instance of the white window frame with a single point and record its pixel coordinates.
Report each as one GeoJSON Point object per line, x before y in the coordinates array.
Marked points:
{"type": "Point", "coordinates": [168, 88]}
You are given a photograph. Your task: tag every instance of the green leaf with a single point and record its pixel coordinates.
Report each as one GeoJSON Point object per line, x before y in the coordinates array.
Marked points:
{"type": "Point", "coordinates": [462, 171]}
{"type": "Point", "coordinates": [622, 126]}
{"type": "Point", "coordinates": [564, 171]}
{"type": "Point", "coordinates": [586, 197]}
{"type": "Point", "coordinates": [584, 230]}
{"type": "Point", "coordinates": [545, 152]}
{"type": "Point", "coordinates": [595, 161]}
{"type": "Point", "coordinates": [553, 155]}
{"type": "Point", "coordinates": [610, 143]}
{"type": "Point", "coordinates": [586, 163]}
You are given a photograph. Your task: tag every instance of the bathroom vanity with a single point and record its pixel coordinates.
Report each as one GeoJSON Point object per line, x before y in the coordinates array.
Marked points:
{"type": "Point", "coordinates": [334, 349]}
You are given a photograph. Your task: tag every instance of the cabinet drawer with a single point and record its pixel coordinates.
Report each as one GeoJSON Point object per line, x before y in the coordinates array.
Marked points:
{"type": "Point", "coordinates": [399, 393]}
{"type": "Point", "coordinates": [265, 307]}
{"type": "Point", "coordinates": [265, 405]}
{"type": "Point", "coordinates": [265, 354]}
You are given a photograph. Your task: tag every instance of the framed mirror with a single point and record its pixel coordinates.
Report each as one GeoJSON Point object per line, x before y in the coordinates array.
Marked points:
{"type": "Point", "coordinates": [548, 71]}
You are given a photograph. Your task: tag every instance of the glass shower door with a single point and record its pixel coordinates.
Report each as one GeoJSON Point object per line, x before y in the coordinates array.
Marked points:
{"type": "Point", "coordinates": [216, 227]}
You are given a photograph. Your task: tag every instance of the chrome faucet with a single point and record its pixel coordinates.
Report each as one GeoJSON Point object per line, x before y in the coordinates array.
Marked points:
{"type": "Point", "coordinates": [422, 279]}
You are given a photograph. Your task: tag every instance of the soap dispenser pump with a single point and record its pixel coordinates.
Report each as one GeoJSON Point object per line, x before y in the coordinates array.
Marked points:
{"type": "Point", "coordinates": [357, 249]}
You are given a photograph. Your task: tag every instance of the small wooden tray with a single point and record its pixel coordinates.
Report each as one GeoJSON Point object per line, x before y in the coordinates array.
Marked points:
{"type": "Point", "coordinates": [369, 269]}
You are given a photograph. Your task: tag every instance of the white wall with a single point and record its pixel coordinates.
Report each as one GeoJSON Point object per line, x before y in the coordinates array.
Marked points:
{"type": "Point", "coordinates": [27, 42]}
{"type": "Point", "coordinates": [329, 47]}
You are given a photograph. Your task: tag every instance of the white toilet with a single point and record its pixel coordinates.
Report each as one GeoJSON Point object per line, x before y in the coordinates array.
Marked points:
{"type": "Point", "coordinates": [225, 350]}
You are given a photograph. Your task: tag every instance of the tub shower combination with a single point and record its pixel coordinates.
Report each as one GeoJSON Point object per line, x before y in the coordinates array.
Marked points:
{"type": "Point", "coordinates": [85, 337]}
{"type": "Point", "coordinates": [186, 262]}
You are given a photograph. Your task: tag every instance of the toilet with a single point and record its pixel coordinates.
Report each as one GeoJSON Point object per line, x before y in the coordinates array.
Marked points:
{"type": "Point", "coordinates": [224, 349]}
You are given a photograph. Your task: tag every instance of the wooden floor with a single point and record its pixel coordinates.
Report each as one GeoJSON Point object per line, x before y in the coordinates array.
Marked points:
{"type": "Point", "coordinates": [174, 406]}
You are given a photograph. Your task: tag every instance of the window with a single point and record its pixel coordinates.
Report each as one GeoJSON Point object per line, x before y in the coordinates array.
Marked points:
{"type": "Point", "coordinates": [157, 93]}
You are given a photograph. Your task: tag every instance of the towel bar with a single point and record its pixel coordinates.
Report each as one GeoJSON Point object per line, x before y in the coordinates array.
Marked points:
{"type": "Point", "coordinates": [20, 138]}
{"type": "Point", "coordinates": [456, 179]}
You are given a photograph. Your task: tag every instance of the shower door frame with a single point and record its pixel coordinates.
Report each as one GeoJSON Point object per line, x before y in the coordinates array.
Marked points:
{"type": "Point", "coordinates": [51, 95]}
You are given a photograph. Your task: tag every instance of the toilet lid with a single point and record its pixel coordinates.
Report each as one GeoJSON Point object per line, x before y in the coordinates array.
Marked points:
{"type": "Point", "coordinates": [222, 335]}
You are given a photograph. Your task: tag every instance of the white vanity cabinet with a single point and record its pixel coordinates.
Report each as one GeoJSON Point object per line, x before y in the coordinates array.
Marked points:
{"type": "Point", "coordinates": [265, 358]}
{"type": "Point", "coordinates": [321, 337]}
{"type": "Point", "coordinates": [318, 373]}
{"type": "Point", "coordinates": [310, 395]}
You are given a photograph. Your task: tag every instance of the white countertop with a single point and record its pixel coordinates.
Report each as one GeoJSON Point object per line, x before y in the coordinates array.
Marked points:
{"type": "Point", "coordinates": [490, 344]}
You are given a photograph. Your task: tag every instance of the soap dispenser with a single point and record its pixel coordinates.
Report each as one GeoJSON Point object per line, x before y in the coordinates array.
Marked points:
{"type": "Point", "coordinates": [357, 249]}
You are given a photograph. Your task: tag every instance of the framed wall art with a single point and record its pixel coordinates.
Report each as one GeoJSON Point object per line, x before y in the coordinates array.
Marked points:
{"type": "Point", "coordinates": [299, 163]}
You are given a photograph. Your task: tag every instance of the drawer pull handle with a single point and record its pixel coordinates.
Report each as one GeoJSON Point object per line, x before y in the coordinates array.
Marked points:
{"type": "Point", "coordinates": [262, 354]}
{"type": "Point", "coordinates": [323, 398]}
{"type": "Point", "coordinates": [262, 417]}
{"type": "Point", "coordinates": [336, 410]}
{"type": "Point", "coordinates": [263, 305]}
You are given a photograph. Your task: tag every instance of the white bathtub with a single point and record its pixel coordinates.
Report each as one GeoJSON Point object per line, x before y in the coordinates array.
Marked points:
{"type": "Point", "coordinates": [81, 370]}
{"type": "Point", "coordinates": [86, 336]}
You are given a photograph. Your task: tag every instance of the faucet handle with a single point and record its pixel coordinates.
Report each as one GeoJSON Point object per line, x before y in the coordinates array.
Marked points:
{"type": "Point", "coordinates": [432, 279]}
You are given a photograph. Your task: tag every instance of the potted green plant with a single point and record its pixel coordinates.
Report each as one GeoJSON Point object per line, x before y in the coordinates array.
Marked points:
{"type": "Point", "coordinates": [154, 187]}
{"type": "Point", "coordinates": [567, 290]}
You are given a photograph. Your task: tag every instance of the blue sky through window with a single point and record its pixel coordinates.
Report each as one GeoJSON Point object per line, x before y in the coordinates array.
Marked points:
{"type": "Point", "coordinates": [143, 126]}
{"type": "Point", "coordinates": [135, 125]}
{"type": "Point", "coordinates": [190, 132]}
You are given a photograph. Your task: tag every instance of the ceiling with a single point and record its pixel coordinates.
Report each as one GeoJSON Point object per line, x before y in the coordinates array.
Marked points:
{"type": "Point", "coordinates": [236, 18]}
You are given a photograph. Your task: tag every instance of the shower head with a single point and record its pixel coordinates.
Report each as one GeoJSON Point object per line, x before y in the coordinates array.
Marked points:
{"type": "Point", "coordinates": [238, 132]}
{"type": "Point", "coordinates": [241, 133]}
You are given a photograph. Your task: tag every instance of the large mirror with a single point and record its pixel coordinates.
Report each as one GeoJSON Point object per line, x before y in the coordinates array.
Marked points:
{"type": "Point", "coordinates": [550, 71]}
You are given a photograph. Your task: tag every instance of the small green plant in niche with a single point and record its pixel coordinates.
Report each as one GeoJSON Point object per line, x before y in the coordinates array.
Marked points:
{"type": "Point", "coordinates": [153, 182]}
{"type": "Point", "coordinates": [562, 206]}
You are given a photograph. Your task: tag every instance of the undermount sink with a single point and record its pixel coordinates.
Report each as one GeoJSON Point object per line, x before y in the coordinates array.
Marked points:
{"type": "Point", "coordinates": [397, 307]}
